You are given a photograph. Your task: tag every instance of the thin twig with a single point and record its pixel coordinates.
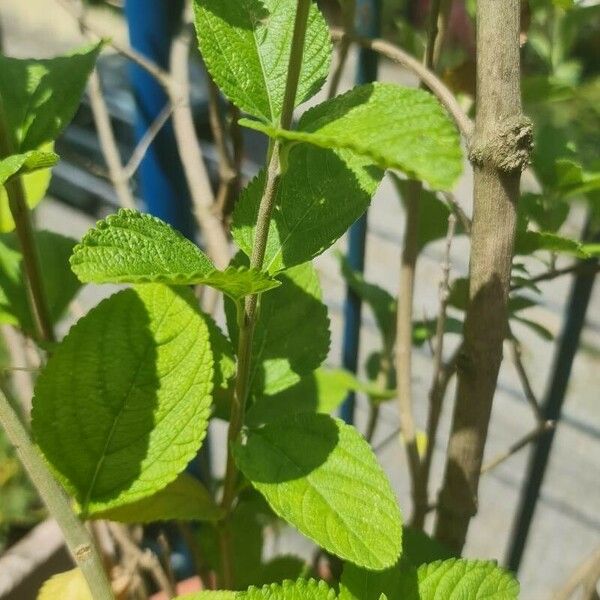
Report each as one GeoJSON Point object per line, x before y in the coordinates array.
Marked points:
{"type": "Point", "coordinates": [78, 540]}
{"type": "Point", "coordinates": [435, 399]}
{"type": "Point", "coordinates": [587, 573]}
{"type": "Point", "coordinates": [228, 175]}
{"type": "Point", "coordinates": [517, 358]}
{"type": "Point", "coordinates": [146, 141]}
{"type": "Point", "coordinates": [579, 267]}
{"type": "Point", "coordinates": [190, 152]}
{"type": "Point", "coordinates": [108, 143]}
{"type": "Point", "coordinates": [539, 430]}
{"type": "Point", "coordinates": [145, 559]}
{"type": "Point", "coordinates": [430, 79]}
{"type": "Point", "coordinates": [349, 16]}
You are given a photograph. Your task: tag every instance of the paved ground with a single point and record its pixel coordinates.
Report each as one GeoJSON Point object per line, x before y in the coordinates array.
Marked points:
{"type": "Point", "coordinates": [567, 524]}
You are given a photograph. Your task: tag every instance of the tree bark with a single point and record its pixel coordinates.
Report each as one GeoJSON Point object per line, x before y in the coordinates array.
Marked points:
{"type": "Point", "coordinates": [499, 152]}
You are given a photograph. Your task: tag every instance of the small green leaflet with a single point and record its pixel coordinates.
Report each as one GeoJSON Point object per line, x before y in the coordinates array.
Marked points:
{"type": "Point", "coordinates": [123, 403]}
{"type": "Point", "coordinates": [451, 578]}
{"type": "Point", "coordinates": [291, 337]}
{"type": "Point", "coordinates": [59, 282]}
{"type": "Point", "coordinates": [320, 195]}
{"type": "Point", "coordinates": [321, 476]}
{"type": "Point", "coordinates": [34, 182]}
{"type": "Point", "coordinates": [40, 97]}
{"type": "Point", "coordinates": [20, 164]}
{"type": "Point", "coordinates": [468, 579]}
{"type": "Point", "coordinates": [132, 247]}
{"type": "Point", "coordinates": [395, 127]}
{"type": "Point", "coordinates": [246, 47]}
{"type": "Point", "coordinates": [301, 589]}
{"type": "Point", "coordinates": [184, 499]}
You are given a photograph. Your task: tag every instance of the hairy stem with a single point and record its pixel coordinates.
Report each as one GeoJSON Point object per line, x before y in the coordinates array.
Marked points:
{"type": "Point", "coordinates": [499, 152]}
{"type": "Point", "coordinates": [78, 539]}
{"type": "Point", "coordinates": [248, 313]}
{"type": "Point", "coordinates": [22, 217]}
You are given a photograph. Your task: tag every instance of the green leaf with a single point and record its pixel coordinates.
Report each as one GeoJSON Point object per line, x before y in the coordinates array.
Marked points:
{"type": "Point", "coordinates": [452, 578]}
{"type": "Point", "coordinates": [292, 590]}
{"type": "Point", "coordinates": [468, 579]}
{"type": "Point", "coordinates": [399, 581]}
{"type": "Point", "coordinates": [219, 595]}
{"type": "Point", "coordinates": [418, 548]}
{"type": "Point", "coordinates": [320, 392]}
{"type": "Point", "coordinates": [547, 211]}
{"type": "Point", "coordinates": [70, 585]}
{"type": "Point", "coordinates": [184, 499]}
{"type": "Point", "coordinates": [574, 180]}
{"type": "Point", "coordinates": [528, 242]}
{"type": "Point", "coordinates": [291, 337]}
{"type": "Point", "coordinates": [132, 247]}
{"type": "Point", "coordinates": [20, 164]}
{"type": "Point", "coordinates": [35, 183]}
{"type": "Point", "coordinates": [59, 282]}
{"type": "Point", "coordinates": [123, 403]}
{"type": "Point", "coordinates": [246, 47]}
{"type": "Point", "coordinates": [395, 127]}
{"type": "Point", "coordinates": [40, 96]}
{"type": "Point", "coordinates": [321, 476]}
{"type": "Point", "coordinates": [320, 195]}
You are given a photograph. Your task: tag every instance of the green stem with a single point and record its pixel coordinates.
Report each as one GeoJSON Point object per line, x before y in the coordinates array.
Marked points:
{"type": "Point", "coordinates": [22, 218]}
{"type": "Point", "coordinates": [76, 536]}
{"type": "Point", "coordinates": [247, 314]}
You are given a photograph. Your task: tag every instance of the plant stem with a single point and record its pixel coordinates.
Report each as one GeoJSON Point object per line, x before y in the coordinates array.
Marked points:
{"type": "Point", "coordinates": [435, 396]}
{"type": "Point", "coordinates": [77, 537]}
{"type": "Point", "coordinates": [499, 152]}
{"type": "Point", "coordinates": [247, 314]}
{"type": "Point", "coordinates": [348, 17]}
{"type": "Point", "coordinates": [22, 218]}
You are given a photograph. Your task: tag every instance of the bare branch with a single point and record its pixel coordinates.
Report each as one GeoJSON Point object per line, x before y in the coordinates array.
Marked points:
{"type": "Point", "coordinates": [579, 267]}
{"type": "Point", "coordinates": [146, 141]}
{"type": "Point", "coordinates": [190, 152]}
{"type": "Point", "coordinates": [539, 430]}
{"type": "Point", "coordinates": [517, 358]}
{"type": "Point", "coordinates": [108, 144]}
{"type": "Point", "coordinates": [586, 576]}
{"type": "Point", "coordinates": [348, 17]}
{"type": "Point", "coordinates": [430, 79]}
{"type": "Point", "coordinates": [435, 398]}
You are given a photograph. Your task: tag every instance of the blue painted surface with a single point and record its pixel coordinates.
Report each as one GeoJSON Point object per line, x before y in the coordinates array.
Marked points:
{"type": "Point", "coordinates": [163, 187]}
{"type": "Point", "coordinates": [368, 24]}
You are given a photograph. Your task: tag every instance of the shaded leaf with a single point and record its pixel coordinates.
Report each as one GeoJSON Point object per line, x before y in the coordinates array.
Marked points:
{"type": "Point", "coordinates": [20, 164]}
{"type": "Point", "coordinates": [395, 127]}
{"type": "Point", "coordinates": [123, 403]}
{"type": "Point", "coordinates": [291, 337]}
{"type": "Point", "coordinates": [40, 96]}
{"type": "Point", "coordinates": [59, 282]}
{"type": "Point", "coordinates": [184, 499]}
{"type": "Point", "coordinates": [321, 476]}
{"type": "Point", "coordinates": [70, 585]}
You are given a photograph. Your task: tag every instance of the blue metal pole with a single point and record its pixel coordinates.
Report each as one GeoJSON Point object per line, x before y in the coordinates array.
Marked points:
{"type": "Point", "coordinates": [151, 27]}
{"type": "Point", "coordinates": [368, 24]}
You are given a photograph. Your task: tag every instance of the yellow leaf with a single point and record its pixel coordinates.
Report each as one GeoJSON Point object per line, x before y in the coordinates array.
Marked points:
{"type": "Point", "coordinates": [70, 585]}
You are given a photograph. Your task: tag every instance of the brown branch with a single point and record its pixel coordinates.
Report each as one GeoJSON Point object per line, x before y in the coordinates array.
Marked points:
{"type": "Point", "coordinates": [348, 17]}
{"type": "Point", "coordinates": [145, 559]}
{"type": "Point", "coordinates": [533, 435]}
{"type": "Point", "coordinates": [190, 152]}
{"type": "Point", "coordinates": [579, 267]}
{"type": "Point", "coordinates": [108, 144]}
{"type": "Point", "coordinates": [586, 576]}
{"type": "Point", "coordinates": [435, 399]}
{"type": "Point", "coordinates": [146, 141]}
{"type": "Point", "coordinates": [499, 152]}
{"type": "Point", "coordinates": [517, 358]}
{"type": "Point", "coordinates": [430, 79]}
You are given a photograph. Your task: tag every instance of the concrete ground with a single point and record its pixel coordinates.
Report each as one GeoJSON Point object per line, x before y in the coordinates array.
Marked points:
{"type": "Point", "coordinates": [567, 523]}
